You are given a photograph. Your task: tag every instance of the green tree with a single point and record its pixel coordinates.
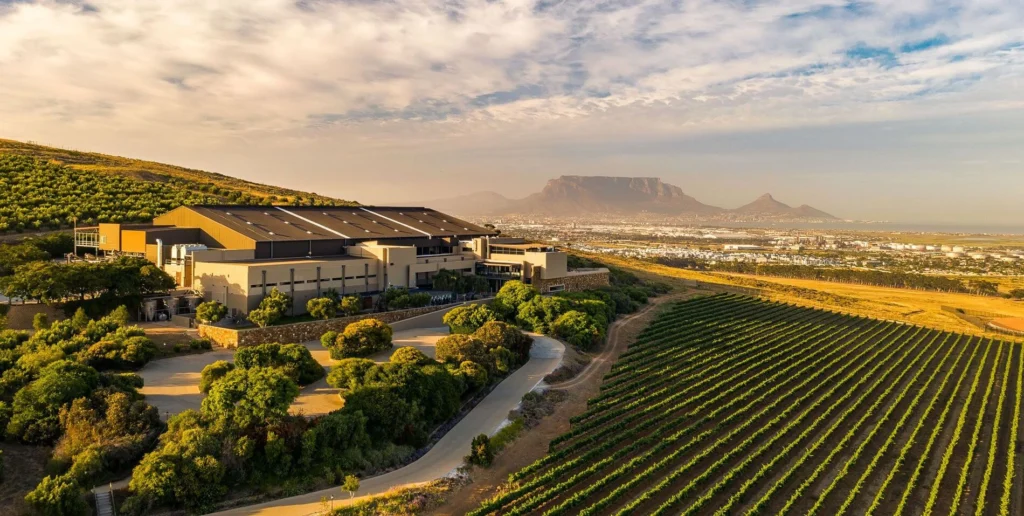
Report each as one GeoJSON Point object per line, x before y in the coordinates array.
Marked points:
{"type": "Point", "coordinates": [578, 329]}
{"type": "Point", "coordinates": [350, 485]}
{"type": "Point", "coordinates": [58, 496]}
{"type": "Point", "coordinates": [481, 453]}
{"type": "Point", "coordinates": [247, 397]}
{"type": "Point", "coordinates": [40, 322]}
{"type": "Point", "coordinates": [1017, 293]}
{"type": "Point", "coordinates": [467, 318]}
{"type": "Point", "coordinates": [213, 372]}
{"type": "Point", "coordinates": [410, 355]}
{"type": "Point", "coordinates": [540, 312]}
{"type": "Point", "coordinates": [36, 407]}
{"type": "Point", "coordinates": [496, 334]}
{"type": "Point", "coordinates": [211, 312]}
{"type": "Point", "coordinates": [475, 374]}
{"type": "Point", "coordinates": [511, 295]}
{"type": "Point", "coordinates": [322, 307]}
{"type": "Point", "coordinates": [80, 320]}
{"type": "Point", "coordinates": [351, 305]}
{"type": "Point", "coordinates": [271, 309]}
{"type": "Point", "coordinates": [460, 348]}
{"type": "Point", "coordinates": [362, 338]}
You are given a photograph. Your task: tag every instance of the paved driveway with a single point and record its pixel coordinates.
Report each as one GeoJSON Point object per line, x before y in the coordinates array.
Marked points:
{"type": "Point", "coordinates": [172, 384]}
{"type": "Point", "coordinates": [448, 453]}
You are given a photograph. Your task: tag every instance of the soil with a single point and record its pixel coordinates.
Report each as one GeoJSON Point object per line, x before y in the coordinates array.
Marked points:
{"type": "Point", "coordinates": [24, 468]}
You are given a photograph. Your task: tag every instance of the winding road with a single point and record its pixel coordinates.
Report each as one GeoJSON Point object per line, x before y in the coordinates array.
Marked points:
{"type": "Point", "coordinates": [448, 453]}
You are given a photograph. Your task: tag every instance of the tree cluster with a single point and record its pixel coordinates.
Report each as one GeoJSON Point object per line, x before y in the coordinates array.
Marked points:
{"type": "Point", "coordinates": [63, 386]}
{"type": "Point", "coordinates": [459, 283]}
{"type": "Point", "coordinates": [399, 298]}
{"type": "Point", "coordinates": [122, 281]}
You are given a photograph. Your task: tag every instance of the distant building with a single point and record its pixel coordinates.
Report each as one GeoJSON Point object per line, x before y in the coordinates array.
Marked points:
{"type": "Point", "coordinates": [742, 247]}
{"type": "Point", "coordinates": [237, 254]}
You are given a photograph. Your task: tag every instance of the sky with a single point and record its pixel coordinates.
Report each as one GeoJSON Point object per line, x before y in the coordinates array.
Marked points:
{"type": "Point", "coordinates": [901, 110]}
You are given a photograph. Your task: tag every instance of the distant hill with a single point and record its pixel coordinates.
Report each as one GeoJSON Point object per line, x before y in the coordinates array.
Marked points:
{"type": "Point", "coordinates": [766, 205]}
{"type": "Point", "coordinates": [45, 188]}
{"type": "Point", "coordinates": [574, 196]}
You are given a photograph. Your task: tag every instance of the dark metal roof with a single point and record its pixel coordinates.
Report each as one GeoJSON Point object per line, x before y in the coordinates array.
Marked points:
{"type": "Point", "coordinates": [283, 223]}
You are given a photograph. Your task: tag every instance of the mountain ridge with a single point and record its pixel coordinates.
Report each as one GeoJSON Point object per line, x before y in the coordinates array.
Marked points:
{"type": "Point", "coordinates": [575, 195]}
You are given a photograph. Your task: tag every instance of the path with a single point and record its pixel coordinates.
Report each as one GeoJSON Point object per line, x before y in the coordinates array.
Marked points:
{"type": "Point", "coordinates": [612, 349]}
{"type": "Point", "coordinates": [448, 453]}
{"type": "Point", "coordinates": [172, 384]}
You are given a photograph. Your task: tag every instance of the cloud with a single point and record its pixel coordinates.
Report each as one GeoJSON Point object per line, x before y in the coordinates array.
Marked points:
{"type": "Point", "coordinates": [442, 69]}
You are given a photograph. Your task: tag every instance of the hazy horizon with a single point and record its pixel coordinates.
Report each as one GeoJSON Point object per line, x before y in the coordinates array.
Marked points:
{"type": "Point", "coordinates": [870, 110]}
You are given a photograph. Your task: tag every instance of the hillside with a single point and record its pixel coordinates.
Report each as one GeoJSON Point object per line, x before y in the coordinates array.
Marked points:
{"type": "Point", "coordinates": [570, 195]}
{"type": "Point", "coordinates": [44, 188]}
{"type": "Point", "coordinates": [580, 196]}
{"type": "Point", "coordinates": [766, 205]}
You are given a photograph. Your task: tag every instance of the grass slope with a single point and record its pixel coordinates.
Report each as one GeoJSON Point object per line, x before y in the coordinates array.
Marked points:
{"type": "Point", "coordinates": [913, 306]}
{"type": "Point", "coordinates": [43, 187]}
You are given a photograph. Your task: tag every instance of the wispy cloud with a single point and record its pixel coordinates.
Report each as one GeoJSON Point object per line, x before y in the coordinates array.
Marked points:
{"type": "Point", "coordinates": [239, 66]}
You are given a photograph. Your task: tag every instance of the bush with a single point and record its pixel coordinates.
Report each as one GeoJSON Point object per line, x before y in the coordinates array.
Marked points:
{"type": "Point", "coordinates": [328, 338]}
{"type": "Point", "coordinates": [247, 397]}
{"type": "Point", "coordinates": [349, 373]}
{"type": "Point", "coordinates": [460, 348]}
{"type": "Point", "coordinates": [480, 453]}
{"type": "Point", "coordinates": [578, 329]}
{"type": "Point", "coordinates": [351, 305]}
{"type": "Point", "coordinates": [322, 308]}
{"type": "Point", "coordinates": [538, 313]}
{"type": "Point", "coordinates": [475, 374]}
{"type": "Point", "coordinates": [293, 359]}
{"type": "Point", "coordinates": [272, 308]}
{"type": "Point", "coordinates": [211, 312]}
{"type": "Point", "coordinates": [40, 322]}
{"type": "Point", "coordinates": [212, 373]}
{"type": "Point", "coordinates": [499, 334]}
{"type": "Point", "coordinates": [36, 407]}
{"type": "Point", "coordinates": [362, 338]}
{"type": "Point", "coordinates": [467, 318]}
{"type": "Point", "coordinates": [118, 352]}
{"type": "Point", "coordinates": [58, 496]}
{"type": "Point", "coordinates": [410, 355]}
{"type": "Point", "coordinates": [512, 294]}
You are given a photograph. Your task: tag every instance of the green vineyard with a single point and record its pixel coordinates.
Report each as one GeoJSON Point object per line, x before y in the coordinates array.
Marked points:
{"type": "Point", "coordinates": [732, 405]}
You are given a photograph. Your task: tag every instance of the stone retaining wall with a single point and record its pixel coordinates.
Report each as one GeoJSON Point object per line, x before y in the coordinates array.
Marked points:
{"type": "Point", "coordinates": [304, 331]}
{"type": "Point", "coordinates": [575, 282]}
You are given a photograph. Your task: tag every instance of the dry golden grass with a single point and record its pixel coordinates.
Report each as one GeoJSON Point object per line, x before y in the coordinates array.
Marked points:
{"type": "Point", "coordinates": [913, 306]}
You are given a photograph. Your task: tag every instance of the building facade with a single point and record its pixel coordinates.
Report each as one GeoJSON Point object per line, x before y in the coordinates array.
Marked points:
{"type": "Point", "coordinates": [237, 254]}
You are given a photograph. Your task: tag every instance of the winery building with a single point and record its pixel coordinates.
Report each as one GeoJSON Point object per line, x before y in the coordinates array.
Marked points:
{"type": "Point", "coordinates": [236, 254]}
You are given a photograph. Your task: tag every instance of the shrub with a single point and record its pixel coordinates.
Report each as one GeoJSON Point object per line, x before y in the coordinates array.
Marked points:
{"type": "Point", "coordinates": [499, 334]}
{"type": "Point", "coordinates": [80, 320]}
{"type": "Point", "coordinates": [475, 374]}
{"type": "Point", "coordinates": [36, 407]}
{"type": "Point", "coordinates": [362, 338]}
{"type": "Point", "coordinates": [293, 359]}
{"type": "Point", "coordinates": [118, 352]}
{"type": "Point", "coordinates": [212, 373]}
{"type": "Point", "coordinates": [272, 308]}
{"type": "Point", "coordinates": [246, 397]}
{"type": "Point", "coordinates": [578, 329]}
{"type": "Point", "coordinates": [328, 338]}
{"type": "Point", "coordinates": [58, 496]}
{"type": "Point", "coordinates": [351, 305]}
{"type": "Point", "coordinates": [211, 312]}
{"type": "Point", "coordinates": [40, 322]}
{"type": "Point", "coordinates": [512, 294]}
{"type": "Point", "coordinates": [460, 348]}
{"type": "Point", "coordinates": [322, 308]}
{"type": "Point", "coordinates": [349, 373]}
{"type": "Point", "coordinates": [410, 355]}
{"type": "Point", "coordinates": [468, 318]}
{"type": "Point", "coordinates": [538, 313]}
{"type": "Point", "coordinates": [480, 453]}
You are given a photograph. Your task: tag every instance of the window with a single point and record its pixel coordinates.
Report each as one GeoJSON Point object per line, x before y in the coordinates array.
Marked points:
{"type": "Point", "coordinates": [336, 279]}
{"type": "Point", "coordinates": [556, 288]}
